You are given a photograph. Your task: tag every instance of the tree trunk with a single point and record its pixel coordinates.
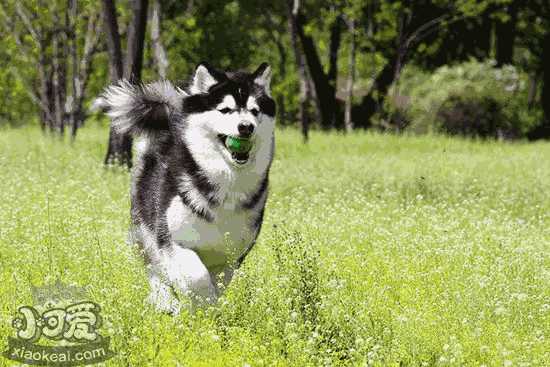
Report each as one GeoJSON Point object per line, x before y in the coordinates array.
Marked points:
{"type": "Point", "coordinates": [82, 67]}
{"type": "Point", "coordinates": [335, 38]}
{"type": "Point", "coordinates": [58, 79]}
{"type": "Point", "coordinates": [485, 44]}
{"type": "Point", "coordinates": [533, 89]}
{"type": "Point", "coordinates": [159, 53]}
{"type": "Point", "coordinates": [305, 94]}
{"type": "Point", "coordinates": [545, 98]}
{"type": "Point", "coordinates": [119, 150]}
{"type": "Point", "coordinates": [505, 34]}
{"type": "Point", "coordinates": [120, 145]}
{"type": "Point", "coordinates": [324, 90]}
{"type": "Point", "coordinates": [281, 115]}
{"type": "Point", "coordinates": [543, 130]}
{"type": "Point", "coordinates": [63, 66]}
{"type": "Point", "coordinates": [351, 78]}
{"type": "Point", "coordinates": [136, 40]}
{"type": "Point", "coordinates": [273, 29]}
{"type": "Point", "coordinates": [58, 116]}
{"type": "Point", "coordinates": [372, 102]}
{"type": "Point", "coordinates": [73, 45]}
{"type": "Point", "coordinates": [113, 40]}
{"type": "Point", "coordinates": [45, 89]}
{"type": "Point", "coordinates": [50, 95]}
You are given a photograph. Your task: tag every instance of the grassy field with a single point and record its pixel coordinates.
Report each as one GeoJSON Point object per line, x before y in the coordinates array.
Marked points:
{"type": "Point", "coordinates": [376, 250]}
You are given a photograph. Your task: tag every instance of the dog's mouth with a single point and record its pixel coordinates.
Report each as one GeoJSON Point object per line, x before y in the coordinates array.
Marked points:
{"type": "Point", "coordinates": [239, 148]}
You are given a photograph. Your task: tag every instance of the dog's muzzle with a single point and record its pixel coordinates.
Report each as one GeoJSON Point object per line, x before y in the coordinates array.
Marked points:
{"type": "Point", "coordinates": [239, 147]}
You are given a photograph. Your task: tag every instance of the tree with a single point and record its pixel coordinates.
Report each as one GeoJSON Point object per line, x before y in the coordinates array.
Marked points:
{"type": "Point", "coordinates": [542, 131]}
{"type": "Point", "coordinates": [505, 34]}
{"type": "Point", "coordinates": [404, 25]}
{"type": "Point", "coordinates": [533, 34]}
{"type": "Point", "coordinates": [113, 39]}
{"type": "Point", "coordinates": [323, 83]}
{"type": "Point", "coordinates": [293, 7]}
{"type": "Point", "coordinates": [275, 32]}
{"type": "Point", "coordinates": [348, 123]}
{"type": "Point", "coordinates": [159, 52]}
{"type": "Point", "coordinates": [119, 149]}
{"type": "Point", "coordinates": [394, 46]}
{"type": "Point", "coordinates": [81, 69]}
{"type": "Point", "coordinates": [47, 46]}
{"type": "Point", "coordinates": [136, 41]}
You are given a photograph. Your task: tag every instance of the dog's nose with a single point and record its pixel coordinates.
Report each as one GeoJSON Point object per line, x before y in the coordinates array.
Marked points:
{"type": "Point", "coordinates": [245, 129]}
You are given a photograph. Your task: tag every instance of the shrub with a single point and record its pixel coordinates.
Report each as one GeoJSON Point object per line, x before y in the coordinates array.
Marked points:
{"type": "Point", "coordinates": [471, 99]}
{"type": "Point", "coordinates": [477, 116]}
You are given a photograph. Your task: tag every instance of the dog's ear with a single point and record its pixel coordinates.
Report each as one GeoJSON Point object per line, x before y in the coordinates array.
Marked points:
{"type": "Point", "coordinates": [140, 109]}
{"type": "Point", "coordinates": [262, 76]}
{"type": "Point", "coordinates": [205, 77]}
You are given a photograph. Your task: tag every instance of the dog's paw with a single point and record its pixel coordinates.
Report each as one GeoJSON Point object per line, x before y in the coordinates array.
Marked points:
{"type": "Point", "coordinates": [163, 298]}
{"type": "Point", "coordinates": [169, 306]}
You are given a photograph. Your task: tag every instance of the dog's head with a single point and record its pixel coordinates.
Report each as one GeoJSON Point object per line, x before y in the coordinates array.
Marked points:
{"type": "Point", "coordinates": [223, 117]}
{"type": "Point", "coordinates": [234, 110]}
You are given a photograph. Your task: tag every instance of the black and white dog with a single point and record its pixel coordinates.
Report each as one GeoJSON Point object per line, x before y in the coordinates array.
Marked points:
{"type": "Point", "coordinates": [200, 182]}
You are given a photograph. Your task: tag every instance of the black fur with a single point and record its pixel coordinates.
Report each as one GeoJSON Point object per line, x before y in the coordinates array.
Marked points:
{"type": "Point", "coordinates": [139, 109]}
{"type": "Point", "coordinates": [159, 111]}
{"type": "Point", "coordinates": [251, 202]}
{"type": "Point", "coordinates": [240, 85]}
{"type": "Point", "coordinates": [149, 116]}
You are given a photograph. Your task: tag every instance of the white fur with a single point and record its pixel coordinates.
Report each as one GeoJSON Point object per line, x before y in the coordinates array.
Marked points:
{"type": "Point", "coordinates": [142, 144]}
{"type": "Point", "coordinates": [202, 251]}
{"type": "Point", "coordinates": [186, 272]}
{"type": "Point", "coordinates": [252, 104]}
{"type": "Point", "coordinates": [228, 102]}
{"type": "Point", "coordinates": [201, 137]}
{"type": "Point", "coordinates": [264, 80]}
{"type": "Point", "coordinates": [202, 80]}
{"type": "Point", "coordinates": [178, 269]}
{"type": "Point", "coordinates": [121, 99]}
{"type": "Point", "coordinates": [161, 295]}
{"type": "Point", "coordinates": [221, 242]}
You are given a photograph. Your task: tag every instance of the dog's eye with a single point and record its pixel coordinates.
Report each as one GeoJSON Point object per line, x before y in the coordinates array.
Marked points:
{"type": "Point", "coordinates": [225, 110]}
{"type": "Point", "coordinates": [255, 111]}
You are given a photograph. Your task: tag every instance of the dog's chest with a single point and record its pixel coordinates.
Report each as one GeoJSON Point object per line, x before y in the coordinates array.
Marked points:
{"type": "Point", "coordinates": [217, 242]}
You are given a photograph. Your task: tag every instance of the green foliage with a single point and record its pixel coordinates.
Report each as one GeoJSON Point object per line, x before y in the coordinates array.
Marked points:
{"type": "Point", "coordinates": [237, 34]}
{"type": "Point", "coordinates": [15, 107]}
{"type": "Point", "coordinates": [20, 55]}
{"type": "Point", "coordinates": [474, 116]}
{"type": "Point", "coordinates": [472, 98]}
{"type": "Point", "coordinates": [533, 23]}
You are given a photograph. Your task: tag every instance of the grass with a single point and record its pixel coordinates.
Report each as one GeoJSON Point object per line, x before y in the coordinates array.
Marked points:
{"type": "Point", "coordinates": [375, 250]}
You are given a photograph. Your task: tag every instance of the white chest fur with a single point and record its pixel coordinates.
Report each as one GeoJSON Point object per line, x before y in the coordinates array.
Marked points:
{"type": "Point", "coordinates": [217, 242]}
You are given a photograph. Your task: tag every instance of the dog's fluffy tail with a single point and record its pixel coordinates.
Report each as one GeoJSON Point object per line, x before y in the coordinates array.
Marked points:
{"type": "Point", "coordinates": [140, 109]}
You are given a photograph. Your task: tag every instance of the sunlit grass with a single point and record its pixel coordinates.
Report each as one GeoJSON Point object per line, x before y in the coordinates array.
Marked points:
{"type": "Point", "coordinates": [375, 250]}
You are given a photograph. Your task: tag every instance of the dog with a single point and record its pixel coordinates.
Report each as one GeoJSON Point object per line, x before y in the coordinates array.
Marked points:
{"type": "Point", "coordinates": [200, 183]}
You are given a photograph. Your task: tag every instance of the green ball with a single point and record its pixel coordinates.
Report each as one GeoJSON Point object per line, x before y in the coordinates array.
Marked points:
{"type": "Point", "coordinates": [238, 145]}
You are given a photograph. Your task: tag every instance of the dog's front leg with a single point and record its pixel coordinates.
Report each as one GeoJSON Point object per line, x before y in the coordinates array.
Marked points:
{"type": "Point", "coordinates": [162, 295]}
{"type": "Point", "coordinates": [181, 270]}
